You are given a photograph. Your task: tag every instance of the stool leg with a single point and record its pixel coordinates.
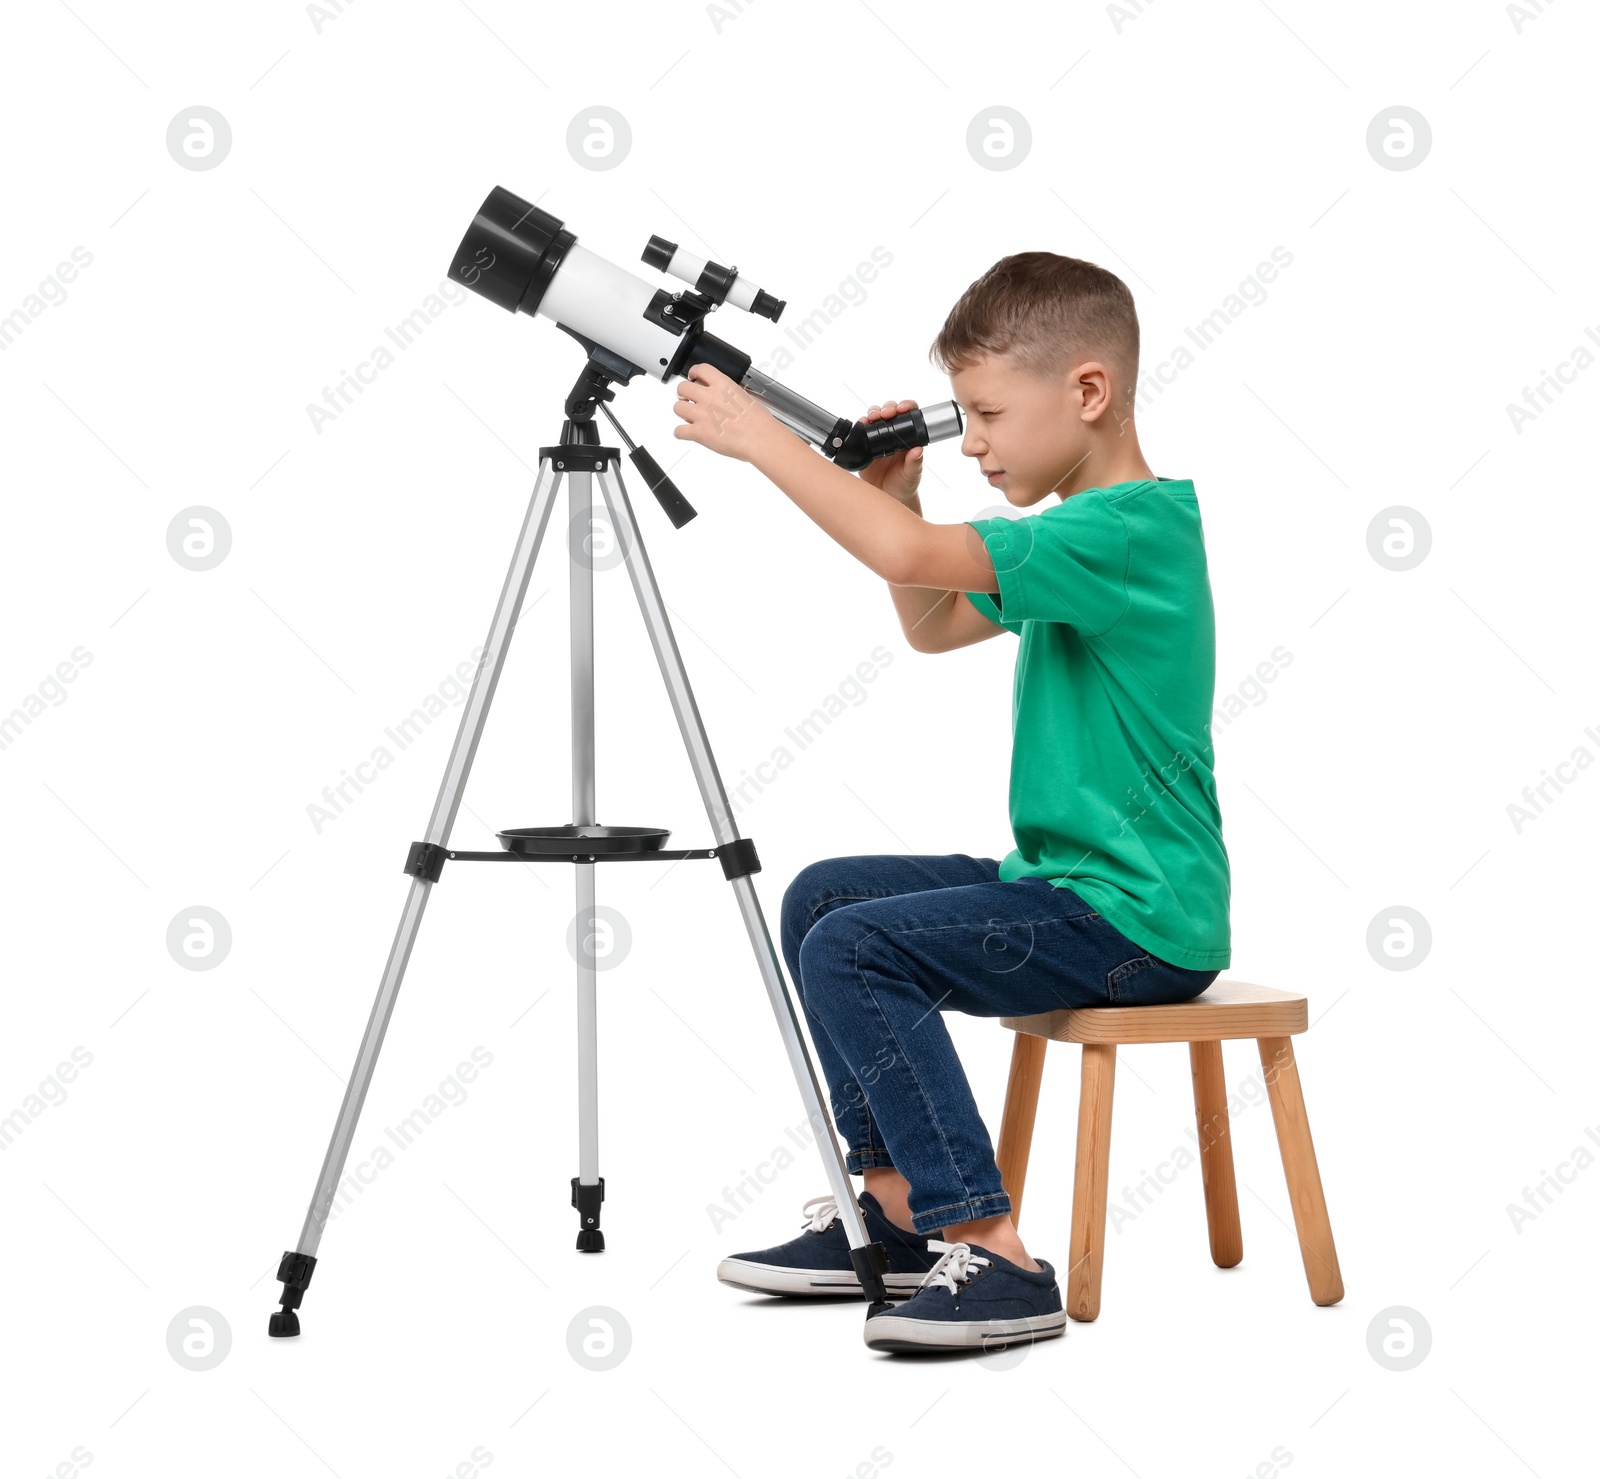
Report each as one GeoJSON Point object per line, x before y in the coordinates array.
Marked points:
{"type": "Point", "coordinates": [1087, 1246]}
{"type": "Point", "coordinates": [1016, 1124]}
{"type": "Point", "coordinates": [1300, 1170]}
{"type": "Point", "coordinates": [1216, 1153]}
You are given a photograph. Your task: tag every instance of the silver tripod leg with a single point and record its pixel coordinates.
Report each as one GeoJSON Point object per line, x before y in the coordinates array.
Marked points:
{"type": "Point", "coordinates": [722, 824]}
{"type": "Point", "coordinates": [295, 1268]}
{"type": "Point", "coordinates": [580, 499]}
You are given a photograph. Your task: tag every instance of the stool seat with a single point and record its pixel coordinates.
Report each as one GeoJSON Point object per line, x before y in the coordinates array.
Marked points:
{"type": "Point", "coordinates": [1226, 1009]}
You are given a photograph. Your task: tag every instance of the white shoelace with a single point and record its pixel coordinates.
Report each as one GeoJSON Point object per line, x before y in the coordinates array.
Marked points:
{"type": "Point", "coordinates": [827, 1208]}
{"type": "Point", "coordinates": [956, 1260]}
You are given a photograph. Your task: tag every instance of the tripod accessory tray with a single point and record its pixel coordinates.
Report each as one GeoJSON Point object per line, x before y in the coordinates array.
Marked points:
{"type": "Point", "coordinates": [595, 839]}
{"type": "Point", "coordinates": [599, 844]}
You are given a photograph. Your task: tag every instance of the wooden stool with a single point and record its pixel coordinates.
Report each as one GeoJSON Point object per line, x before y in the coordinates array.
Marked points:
{"type": "Point", "coordinates": [1227, 1009]}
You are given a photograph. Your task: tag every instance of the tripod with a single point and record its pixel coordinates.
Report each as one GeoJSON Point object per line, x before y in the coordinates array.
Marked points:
{"type": "Point", "coordinates": [579, 458]}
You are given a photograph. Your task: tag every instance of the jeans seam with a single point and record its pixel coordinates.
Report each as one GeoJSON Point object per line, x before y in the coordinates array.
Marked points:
{"type": "Point", "coordinates": [972, 1204]}
{"type": "Point", "coordinates": [1119, 974]}
{"type": "Point", "coordinates": [811, 913]}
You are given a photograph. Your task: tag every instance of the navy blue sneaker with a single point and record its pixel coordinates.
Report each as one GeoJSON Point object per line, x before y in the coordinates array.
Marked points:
{"type": "Point", "coordinates": [972, 1299]}
{"type": "Point", "coordinates": [818, 1261]}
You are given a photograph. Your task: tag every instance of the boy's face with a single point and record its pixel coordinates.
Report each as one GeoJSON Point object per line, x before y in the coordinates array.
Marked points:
{"type": "Point", "coordinates": [1031, 430]}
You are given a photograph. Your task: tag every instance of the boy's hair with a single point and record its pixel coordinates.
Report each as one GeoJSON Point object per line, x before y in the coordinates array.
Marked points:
{"type": "Point", "coordinates": [1048, 312]}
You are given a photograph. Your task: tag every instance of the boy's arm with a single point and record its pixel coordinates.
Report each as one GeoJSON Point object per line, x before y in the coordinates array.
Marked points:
{"type": "Point", "coordinates": [887, 537]}
{"type": "Point", "coordinates": [879, 530]}
{"type": "Point", "coordinates": [940, 621]}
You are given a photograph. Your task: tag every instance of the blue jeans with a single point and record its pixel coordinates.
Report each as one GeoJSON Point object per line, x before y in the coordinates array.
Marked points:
{"type": "Point", "coordinates": [879, 945]}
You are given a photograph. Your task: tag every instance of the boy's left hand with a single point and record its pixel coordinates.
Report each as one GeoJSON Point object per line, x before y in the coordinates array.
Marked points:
{"type": "Point", "coordinates": [721, 414]}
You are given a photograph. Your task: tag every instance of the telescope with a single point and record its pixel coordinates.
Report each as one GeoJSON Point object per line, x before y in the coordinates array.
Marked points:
{"type": "Point", "coordinates": [524, 259]}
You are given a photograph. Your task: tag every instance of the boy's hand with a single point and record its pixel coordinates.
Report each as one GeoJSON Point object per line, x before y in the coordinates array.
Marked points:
{"type": "Point", "coordinates": [899, 475]}
{"type": "Point", "coordinates": [721, 414]}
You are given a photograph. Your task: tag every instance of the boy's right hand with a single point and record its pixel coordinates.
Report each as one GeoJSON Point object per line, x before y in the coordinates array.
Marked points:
{"type": "Point", "coordinates": [899, 475]}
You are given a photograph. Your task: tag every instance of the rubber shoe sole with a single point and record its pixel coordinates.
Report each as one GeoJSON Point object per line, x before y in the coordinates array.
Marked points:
{"type": "Point", "coordinates": [768, 1278]}
{"type": "Point", "coordinates": [894, 1333]}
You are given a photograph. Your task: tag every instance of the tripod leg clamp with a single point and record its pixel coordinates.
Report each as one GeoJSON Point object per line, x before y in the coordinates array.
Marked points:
{"type": "Point", "coordinates": [738, 858]}
{"type": "Point", "coordinates": [426, 861]}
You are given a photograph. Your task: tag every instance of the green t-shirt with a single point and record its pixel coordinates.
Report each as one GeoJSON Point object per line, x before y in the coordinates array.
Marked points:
{"type": "Point", "coordinates": [1112, 792]}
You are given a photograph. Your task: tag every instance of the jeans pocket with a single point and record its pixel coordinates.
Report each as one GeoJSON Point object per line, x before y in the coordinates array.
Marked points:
{"type": "Point", "coordinates": [1115, 988]}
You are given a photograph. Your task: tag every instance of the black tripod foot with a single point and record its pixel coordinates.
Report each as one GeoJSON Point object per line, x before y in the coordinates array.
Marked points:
{"type": "Point", "coordinates": [294, 1269]}
{"type": "Point", "coordinates": [871, 1262]}
{"type": "Point", "coordinates": [587, 1200]}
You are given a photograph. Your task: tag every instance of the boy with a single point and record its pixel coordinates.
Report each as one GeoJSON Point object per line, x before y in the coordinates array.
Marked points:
{"type": "Point", "coordinates": [1117, 889]}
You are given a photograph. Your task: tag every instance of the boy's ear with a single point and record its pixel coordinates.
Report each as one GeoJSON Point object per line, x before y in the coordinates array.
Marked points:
{"type": "Point", "coordinates": [1090, 385]}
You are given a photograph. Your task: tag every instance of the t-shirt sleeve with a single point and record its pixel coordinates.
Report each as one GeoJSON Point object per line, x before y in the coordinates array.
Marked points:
{"type": "Point", "coordinates": [987, 604]}
{"type": "Point", "coordinates": [1069, 564]}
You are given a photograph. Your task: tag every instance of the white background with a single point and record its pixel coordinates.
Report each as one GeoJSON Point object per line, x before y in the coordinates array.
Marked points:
{"type": "Point", "coordinates": [1177, 147]}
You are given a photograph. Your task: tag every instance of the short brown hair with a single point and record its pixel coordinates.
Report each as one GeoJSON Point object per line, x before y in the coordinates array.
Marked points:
{"type": "Point", "coordinates": [1045, 311]}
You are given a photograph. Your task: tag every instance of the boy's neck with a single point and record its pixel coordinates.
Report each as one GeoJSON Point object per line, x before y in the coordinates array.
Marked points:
{"type": "Point", "coordinates": [1104, 466]}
